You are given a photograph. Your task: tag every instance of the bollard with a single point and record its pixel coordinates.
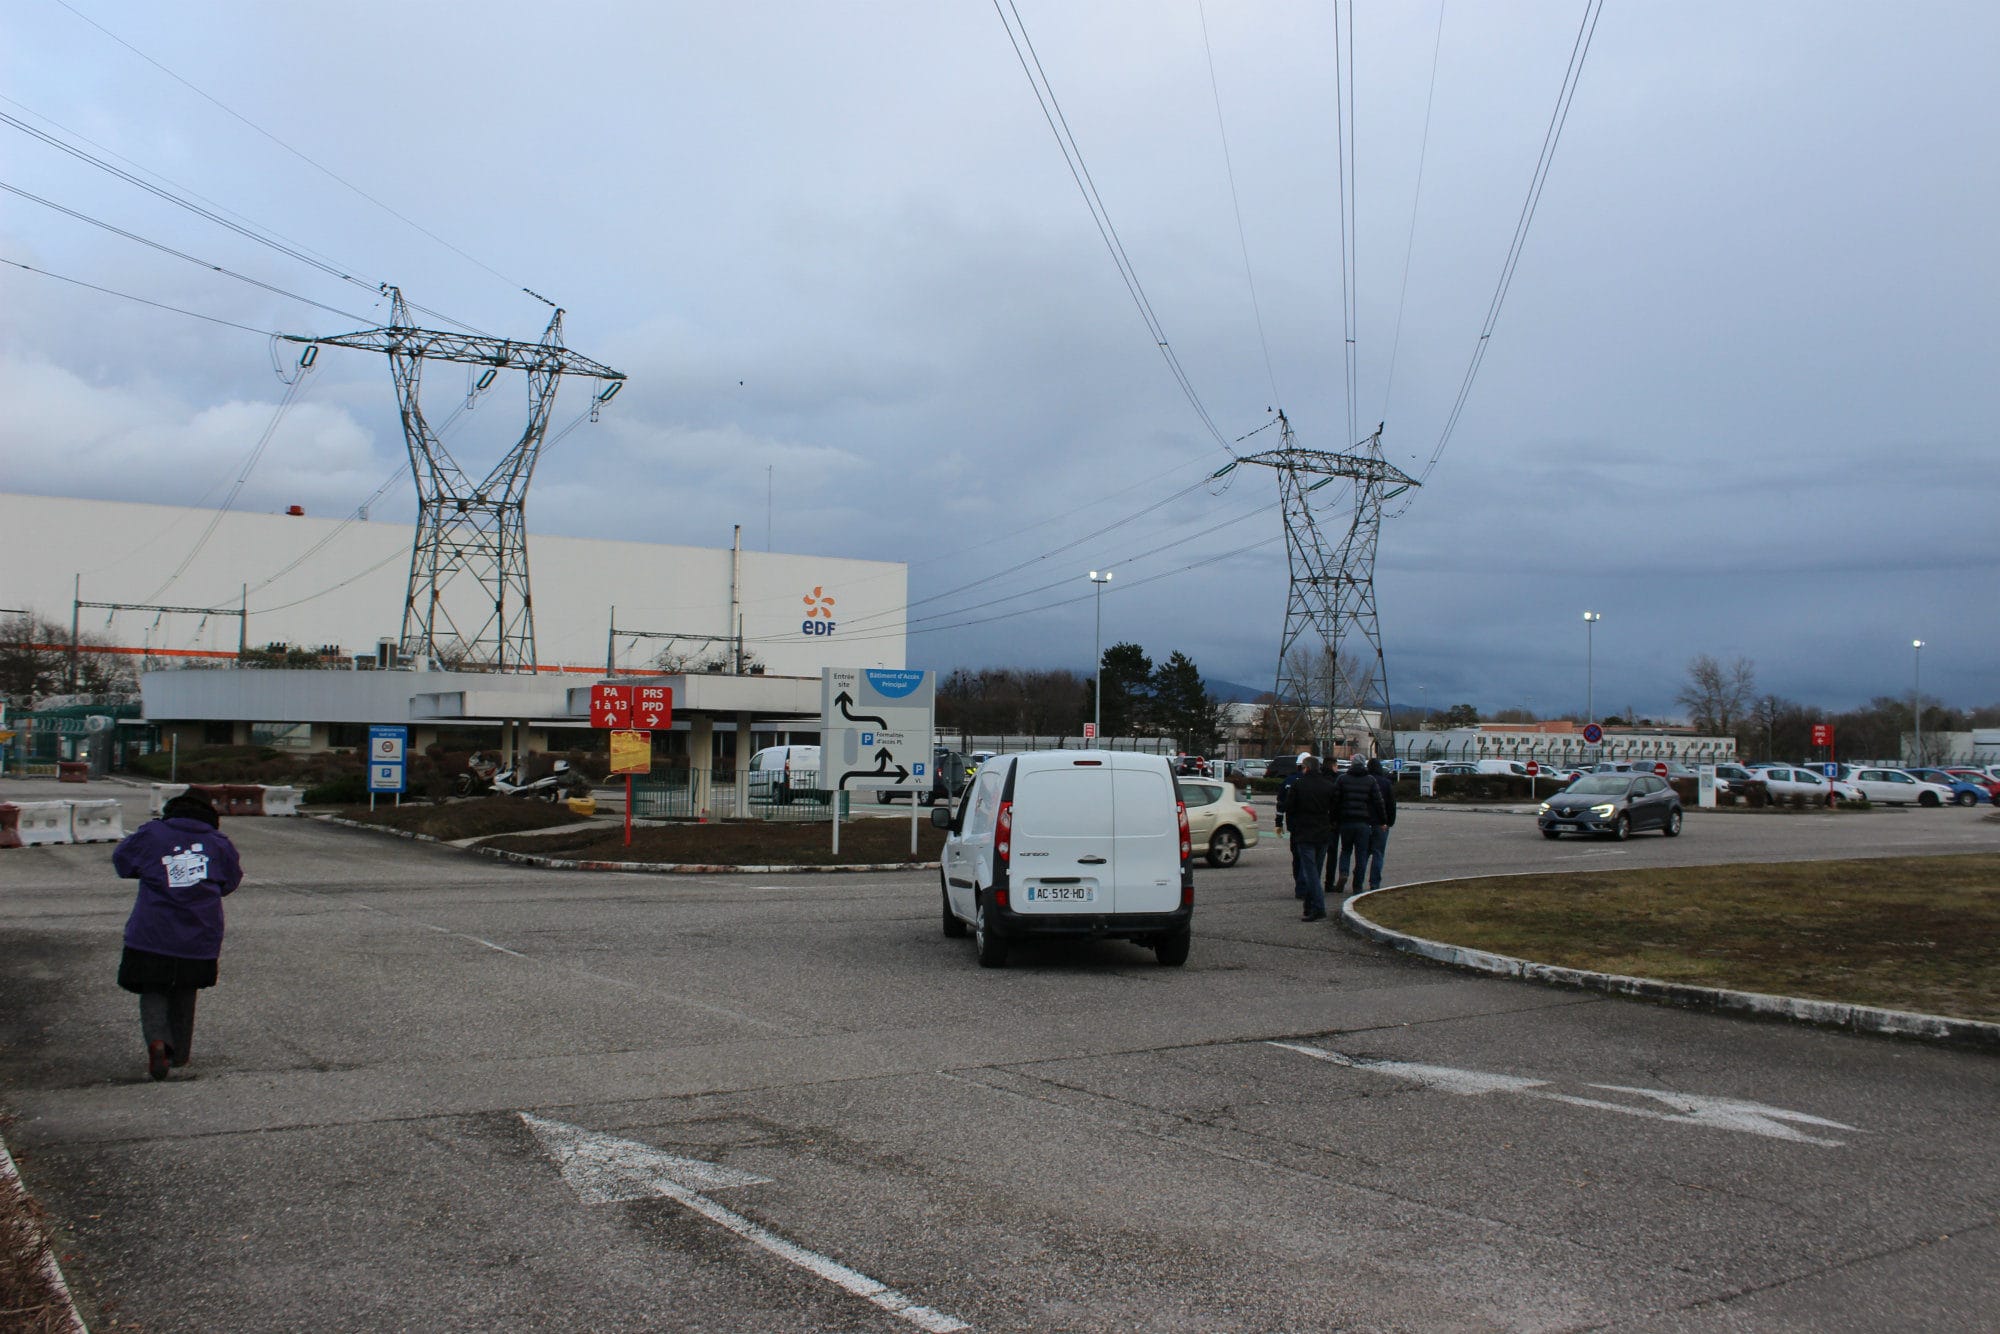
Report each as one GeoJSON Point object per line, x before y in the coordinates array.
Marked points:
{"type": "Point", "coordinates": [96, 821]}
{"type": "Point", "coordinates": [72, 771]}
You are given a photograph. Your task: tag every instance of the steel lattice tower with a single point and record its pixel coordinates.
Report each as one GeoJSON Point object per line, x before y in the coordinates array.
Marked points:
{"type": "Point", "coordinates": [1331, 598]}
{"type": "Point", "coordinates": [469, 602]}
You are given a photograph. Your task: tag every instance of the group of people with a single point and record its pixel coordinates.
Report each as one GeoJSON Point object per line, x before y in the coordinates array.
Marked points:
{"type": "Point", "coordinates": [1338, 818]}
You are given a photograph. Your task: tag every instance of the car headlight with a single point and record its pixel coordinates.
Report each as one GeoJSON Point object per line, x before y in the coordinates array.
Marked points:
{"type": "Point", "coordinates": [1543, 810]}
{"type": "Point", "coordinates": [1603, 811]}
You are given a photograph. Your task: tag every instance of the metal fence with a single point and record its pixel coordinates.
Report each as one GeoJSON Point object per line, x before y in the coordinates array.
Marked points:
{"type": "Point", "coordinates": [1564, 751]}
{"type": "Point", "coordinates": [696, 794]}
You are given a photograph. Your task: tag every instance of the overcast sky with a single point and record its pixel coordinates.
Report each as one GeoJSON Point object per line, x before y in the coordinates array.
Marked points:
{"type": "Point", "coordinates": [1740, 399]}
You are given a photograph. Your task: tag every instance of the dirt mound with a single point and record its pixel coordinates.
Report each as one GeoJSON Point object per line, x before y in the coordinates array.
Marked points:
{"type": "Point", "coordinates": [737, 843]}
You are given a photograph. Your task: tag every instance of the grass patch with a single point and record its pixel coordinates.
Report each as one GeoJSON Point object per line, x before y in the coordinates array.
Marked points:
{"type": "Point", "coordinates": [472, 818]}
{"type": "Point", "coordinates": [738, 843]}
{"type": "Point", "coordinates": [29, 1301]}
{"type": "Point", "coordinates": [1906, 933]}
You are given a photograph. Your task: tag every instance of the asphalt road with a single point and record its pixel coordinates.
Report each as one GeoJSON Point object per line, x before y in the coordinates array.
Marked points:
{"type": "Point", "coordinates": [1082, 1141]}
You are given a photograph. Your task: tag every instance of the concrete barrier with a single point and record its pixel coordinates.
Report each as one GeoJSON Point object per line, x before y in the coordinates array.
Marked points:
{"type": "Point", "coordinates": [10, 825]}
{"type": "Point", "coordinates": [241, 799]}
{"type": "Point", "coordinates": [72, 771]}
{"type": "Point", "coordinates": [281, 800]}
{"type": "Point", "coordinates": [96, 821]}
{"type": "Point", "coordinates": [43, 822]}
{"type": "Point", "coordinates": [162, 794]}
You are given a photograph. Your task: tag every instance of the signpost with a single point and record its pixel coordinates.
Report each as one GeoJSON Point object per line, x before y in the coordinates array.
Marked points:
{"type": "Point", "coordinates": [1533, 769]}
{"type": "Point", "coordinates": [1822, 735]}
{"type": "Point", "coordinates": [1592, 734]}
{"type": "Point", "coordinates": [1090, 731]}
{"type": "Point", "coordinates": [388, 761]}
{"type": "Point", "coordinates": [1659, 768]}
{"type": "Point", "coordinates": [631, 714]}
{"type": "Point", "coordinates": [876, 732]}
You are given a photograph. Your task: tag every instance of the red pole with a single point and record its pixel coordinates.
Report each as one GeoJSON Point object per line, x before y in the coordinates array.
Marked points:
{"type": "Point", "coordinates": [628, 810]}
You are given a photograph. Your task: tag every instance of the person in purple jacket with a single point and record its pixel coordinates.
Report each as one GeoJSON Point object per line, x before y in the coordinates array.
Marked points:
{"type": "Point", "coordinates": [184, 866]}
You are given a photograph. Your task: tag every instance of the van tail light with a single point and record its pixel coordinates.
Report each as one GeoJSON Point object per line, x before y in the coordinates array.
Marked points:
{"type": "Point", "coordinates": [1003, 833]}
{"type": "Point", "coordinates": [1187, 843]}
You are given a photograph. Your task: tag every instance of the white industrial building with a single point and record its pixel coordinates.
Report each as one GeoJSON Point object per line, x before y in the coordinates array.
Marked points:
{"type": "Point", "coordinates": [749, 631]}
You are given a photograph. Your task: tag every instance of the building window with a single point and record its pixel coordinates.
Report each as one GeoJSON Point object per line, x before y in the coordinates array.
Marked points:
{"type": "Point", "coordinates": [218, 732]}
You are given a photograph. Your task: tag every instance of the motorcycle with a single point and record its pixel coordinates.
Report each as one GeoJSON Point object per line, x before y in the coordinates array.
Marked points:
{"type": "Point", "coordinates": [485, 775]}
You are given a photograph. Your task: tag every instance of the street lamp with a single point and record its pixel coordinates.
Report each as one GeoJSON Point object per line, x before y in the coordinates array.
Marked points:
{"type": "Point", "coordinates": [1425, 710]}
{"type": "Point", "coordinates": [1097, 696]}
{"type": "Point", "coordinates": [1590, 620]}
{"type": "Point", "coordinates": [1917, 696]}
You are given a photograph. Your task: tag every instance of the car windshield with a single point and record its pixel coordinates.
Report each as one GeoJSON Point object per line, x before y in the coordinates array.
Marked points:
{"type": "Point", "coordinates": [1599, 785]}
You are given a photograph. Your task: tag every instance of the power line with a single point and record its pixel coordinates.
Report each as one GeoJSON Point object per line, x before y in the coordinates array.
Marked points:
{"type": "Point", "coordinates": [157, 305]}
{"type": "Point", "coordinates": [1350, 276]}
{"type": "Point", "coordinates": [1031, 65]}
{"type": "Point", "coordinates": [1416, 198]}
{"type": "Point", "coordinates": [177, 254]}
{"type": "Point", "coordinates": [1579, 52]}
{"type": "Point", "coordinates": [1242, 238]}
{"type": "Point", "coordinates": [315, 165]}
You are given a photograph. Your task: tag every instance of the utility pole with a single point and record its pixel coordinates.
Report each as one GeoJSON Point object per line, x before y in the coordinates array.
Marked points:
{"type": "Point", "coordinates": [1331, 598]}
{"type": "Point", "coordinates": [468, 597]}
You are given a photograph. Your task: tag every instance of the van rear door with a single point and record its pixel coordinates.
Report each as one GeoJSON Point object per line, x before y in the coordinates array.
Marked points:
{"type": "Point", "coordinates": [1062, 851]}
{"type": "Point", "coordinates": [1147, 831]}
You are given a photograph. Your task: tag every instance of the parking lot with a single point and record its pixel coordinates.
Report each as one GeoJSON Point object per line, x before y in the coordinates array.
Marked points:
{"type": "Point", "coordinates": [437, 1091]}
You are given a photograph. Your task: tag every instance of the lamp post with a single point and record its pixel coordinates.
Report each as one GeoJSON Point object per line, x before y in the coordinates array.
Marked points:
{"type": "Point", "coordinates": [1099, 578]}
{"type": "Point", "coordinates": [1424, 709]}
{"type": "Point", "coordinates": [1590, 620]}
{"type": "Point", "coordinates": [1917, 696]}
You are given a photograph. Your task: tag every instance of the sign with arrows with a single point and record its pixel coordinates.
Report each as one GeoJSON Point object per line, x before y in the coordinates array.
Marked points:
{"type": "Point", "coordinates": [611, 706]}
{"type": "Point", "coordinates": [652, 707]}
{"type": "Point", "coordinates": [875, 727]}
{"type": "Point", "coordinates": [604, 1169]}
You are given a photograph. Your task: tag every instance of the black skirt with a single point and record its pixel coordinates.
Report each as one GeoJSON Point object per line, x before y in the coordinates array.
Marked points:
{"type": "Point", "coordinates": [142, 971]}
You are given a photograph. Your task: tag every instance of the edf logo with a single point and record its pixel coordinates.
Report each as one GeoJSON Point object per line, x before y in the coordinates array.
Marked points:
{"type": "Point", "coordinates": [819, 613]}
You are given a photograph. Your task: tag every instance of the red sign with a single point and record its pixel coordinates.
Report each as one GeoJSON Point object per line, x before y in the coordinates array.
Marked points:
{"type": "Point", "coordinates": [1822, 734]}
{"type": "Point", "coordinates": [1533, 768]}
{"type": "Point", "coordinates": [652, 706]}
{"type": "Point", "coordinates": [1660, 768]}
{"type": "Point", "coordinates": [611, 706]}
{"type": "Point", "coordinates": [1090, 731]}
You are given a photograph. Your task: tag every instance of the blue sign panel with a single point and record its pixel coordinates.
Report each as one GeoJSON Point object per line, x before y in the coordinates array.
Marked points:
{"type": "Point", "coordinates": [388, 758]}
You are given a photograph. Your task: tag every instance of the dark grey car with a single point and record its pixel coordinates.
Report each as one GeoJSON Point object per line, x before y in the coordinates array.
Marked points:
{"type": "Point", "coordinates": [1614, 804]}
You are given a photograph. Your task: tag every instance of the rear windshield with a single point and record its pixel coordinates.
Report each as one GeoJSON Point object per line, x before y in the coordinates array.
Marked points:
{"type": "Point", "coordinates": [1600, 785]}
{"type": "Point", "coordinates": [1063, 803]}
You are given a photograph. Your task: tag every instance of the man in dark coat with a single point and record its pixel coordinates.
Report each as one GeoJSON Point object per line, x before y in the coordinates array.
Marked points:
{"type": "Point", "coordinates": [1284, 807]}
{"type": "Point", "coordinates": [1378, 846]}
{"type": "Point", "coordinates": [1358, 813]}
{"type": "Point", "coordinates": [1311, 812]}
{"type": "Point", "coordinates": [173, 938]}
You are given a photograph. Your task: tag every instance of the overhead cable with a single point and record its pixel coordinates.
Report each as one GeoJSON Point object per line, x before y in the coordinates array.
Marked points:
{"type": "Point", "coordinates": [1236, 203]}
{"type": "Point", "coordinates": [1416, 199]}
{"type": "Point", "coordinates": [1031, 65]}
{"type": "Point", "coordinates": [1350, 277]}
{"type": "Point", "coordinates": [1579, 52]}
{"type": "Point", "coordinates": [157, 305]}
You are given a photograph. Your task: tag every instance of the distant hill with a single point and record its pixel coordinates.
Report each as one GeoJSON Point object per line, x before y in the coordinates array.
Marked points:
{"type": "Point", "coordinates": [1235, 692]}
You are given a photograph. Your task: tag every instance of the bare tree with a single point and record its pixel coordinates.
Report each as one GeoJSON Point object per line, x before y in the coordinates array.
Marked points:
{"type": "Point", "coordinates": [1718, 697]}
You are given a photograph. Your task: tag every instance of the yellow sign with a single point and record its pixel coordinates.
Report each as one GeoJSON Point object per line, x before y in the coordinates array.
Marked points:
{"type": "Point", "coordinates": [631, 752]}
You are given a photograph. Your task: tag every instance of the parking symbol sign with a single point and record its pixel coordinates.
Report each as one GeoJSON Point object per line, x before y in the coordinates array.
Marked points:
{"type": "Point", "coordinates": [867, 738]}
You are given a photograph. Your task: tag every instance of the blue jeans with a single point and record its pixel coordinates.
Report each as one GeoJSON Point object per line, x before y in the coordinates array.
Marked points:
{"type": "Point", "coordinates": [1311, 854]}
{"type": "Point", "coordinates": [1378, 848]}
{"type": "Point", "coordinates": [1355, 838]}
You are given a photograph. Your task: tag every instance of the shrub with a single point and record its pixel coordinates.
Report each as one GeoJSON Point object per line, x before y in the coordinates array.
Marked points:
{"type": "Point", "coordinates": [345, 790]}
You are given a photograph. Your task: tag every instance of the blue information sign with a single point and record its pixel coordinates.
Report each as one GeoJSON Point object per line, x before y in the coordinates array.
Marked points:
{"type": "Point", "coordinates": [388, 767]}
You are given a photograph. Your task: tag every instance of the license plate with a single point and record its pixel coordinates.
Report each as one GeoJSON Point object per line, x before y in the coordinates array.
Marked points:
{"type": "Point", "coordinates": [1062, 893]}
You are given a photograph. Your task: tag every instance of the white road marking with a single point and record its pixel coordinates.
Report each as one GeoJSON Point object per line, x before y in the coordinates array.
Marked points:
{"type": "Point", "coordinates": [604, 1169]}
{"type": "Point", "coordinates": [1752, 1118]}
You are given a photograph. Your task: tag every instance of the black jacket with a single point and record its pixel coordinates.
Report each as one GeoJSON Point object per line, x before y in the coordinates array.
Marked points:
{"type": "Point", "coordinates": [1358, 800]}
{"type": "Point", "coordinates": [1311, 808]}
{"type": "Point", "coordinates": [1388, 786]}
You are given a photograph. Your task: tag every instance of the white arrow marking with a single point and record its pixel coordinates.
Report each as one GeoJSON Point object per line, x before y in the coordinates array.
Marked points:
{"type": "Point", "coordinates": [1752, 1118]}
{"type": "Point", "coordinates": [603, 1169]}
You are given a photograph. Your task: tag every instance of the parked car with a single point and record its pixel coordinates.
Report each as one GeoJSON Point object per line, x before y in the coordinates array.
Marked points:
{"type": "Point", "coordinates": [1074, 843]}
{"type": "Point", "coordinates": [1894, 786]}
{"type": "Point", "coordinates": [1785, 782]}
{"type": "Point", "coordinates": [1614, 804]}
{"type": "Point", "coordinates": [786, 773]}
{"type": "Point", "coordinates": [1251, 768]}
{"type": "Point", "coordinates": [1980, 776]}
{"type": "Point", "coordinates": [1220, 824]}
{"type": "Point", "coordinates": [1964, 792]}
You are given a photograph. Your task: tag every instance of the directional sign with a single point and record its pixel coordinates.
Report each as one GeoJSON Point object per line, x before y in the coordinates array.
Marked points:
{"type": "Point", "coordinates": [1822, 734]}
{"type": "Point", "coordinates": [875, 727]}
{"type": "Point", "coordinates": [1830, 770]}
{"type": "Point", "coordinates": [611, 706]}
{"type": "Point", "coordinates": [388, 750]}
{"type": "Point", "coordinates": [652, 707]}
{"type": "Point", "coordinates": [604, 1169]}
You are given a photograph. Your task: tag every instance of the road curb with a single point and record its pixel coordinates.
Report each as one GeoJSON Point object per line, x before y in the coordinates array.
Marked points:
{"type": "Point", "coordinates": [1822, 1014]}
{"type": "Point", "coordinates": [651, 868]}
{"type": "Point", "coordinates": [63, 1308]}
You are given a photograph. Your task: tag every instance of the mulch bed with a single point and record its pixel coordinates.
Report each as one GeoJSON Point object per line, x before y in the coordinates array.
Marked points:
{"type": "Point", "coordinates": [736, 843]}
{"type": "Point", "coordinates": [471, 818]}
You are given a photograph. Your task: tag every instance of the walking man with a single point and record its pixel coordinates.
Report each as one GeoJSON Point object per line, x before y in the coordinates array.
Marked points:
{"type": "Point", "coordinates": [1311, 811]}
{"type": "Point", "coordinates": [1378, 845]}
{"type": "Point", "coordinates": [1358, 813]}
{"type": "Point", "coordinates": [1284, 806]}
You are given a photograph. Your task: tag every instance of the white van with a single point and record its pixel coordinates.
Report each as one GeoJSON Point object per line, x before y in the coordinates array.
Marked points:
{"type": "Point", "coordinates": [783, 773]}
{"type": "Point", "coordinates": [1512, 768]}
{"type": "Point", "coordinates": [1069, 843]}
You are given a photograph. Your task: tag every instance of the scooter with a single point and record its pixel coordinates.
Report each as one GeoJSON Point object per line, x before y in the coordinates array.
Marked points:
{"type": "Point", "coordinates": [486, 775]}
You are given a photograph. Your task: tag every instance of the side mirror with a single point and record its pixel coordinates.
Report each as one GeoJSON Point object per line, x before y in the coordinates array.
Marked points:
{"type": "Point", "coordinates": [940, 817]}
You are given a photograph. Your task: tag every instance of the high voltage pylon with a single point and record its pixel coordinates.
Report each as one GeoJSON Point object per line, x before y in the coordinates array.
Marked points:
{"type": "Point", "coordinates": [469, 602]}
{"type": "Point", "coordinates": [1321, 675]}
